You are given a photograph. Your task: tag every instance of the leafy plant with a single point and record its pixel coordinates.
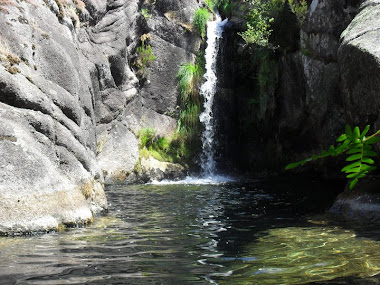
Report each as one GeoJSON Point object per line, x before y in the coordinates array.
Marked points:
{"type": "Point", "coordinates": [258, 24]}
{"type": "Point", "coordinates": [263, 13]}
{"type": "Point", "coordinates": [223, 6]}
{"type": "Point", "coordinates": [145, 13]}
{"type": "Point", "coordinates": [201, 17]}
{"type": "Point", "coordinates": [144, 59]}
{"type": "Point", "coordinates": [359, 148]}
{"type": "Point", "coordinates": [189, 76]}
{"type": "Point", "coordinates": [299, 7]}
{"type": "Point", "coordinates": [173, 149]}
{"type": "Point", "coordinates": [146, 137]}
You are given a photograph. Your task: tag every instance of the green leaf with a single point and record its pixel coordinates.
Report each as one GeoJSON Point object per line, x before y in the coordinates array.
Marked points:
{"type": "Point", "coordinates": [353, 175]}
{"type": "Point", "coordinates": [353, 170]}
{"type": "Point", "coordinates": [342, 138]}
{"type": "Point", "coordinates": [352, 165]}
{"type": "Point", "coordinates": [348, 131]}
{"type": "Point", "coordinates": [369, 153]}
{"type": "Point", "coordinates": [362, 175]}
{"type": "Point", "coordinates": [346, 143]}
{"type": "Point", "coordinates": [366, 167]}
{"type": "Point", "coordinates": [354, 157]}
{"type": "Point", "coordinates": [355, 150]}
{"type": "Point", "coordinates": [293, 165]}
{"type": "Point", "coordinates": [372, 140]}
{"type": "Point", "coordinates": [356, 133]}
{"type": "Point", "coordinates": [367, 160]}
{"type": "Point", "coordinates": [353, 183]}
{"type": "Point", "coordinates": [365, 131]}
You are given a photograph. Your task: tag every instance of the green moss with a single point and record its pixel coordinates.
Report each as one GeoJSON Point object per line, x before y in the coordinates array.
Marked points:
{"type": "Point", "coordinates": [172, 149]}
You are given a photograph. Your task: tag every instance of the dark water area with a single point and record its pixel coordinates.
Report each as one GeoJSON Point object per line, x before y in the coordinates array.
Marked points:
{"type": "Point", "coordinates": [272, 231]}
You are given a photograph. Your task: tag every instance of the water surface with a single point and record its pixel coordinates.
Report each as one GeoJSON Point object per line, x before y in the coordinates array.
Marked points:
{"type": "Point", "coordinates": [261, 232]}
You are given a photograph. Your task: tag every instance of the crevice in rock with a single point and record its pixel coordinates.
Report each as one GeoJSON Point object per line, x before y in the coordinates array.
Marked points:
{"type": "Point", "coordinates": [117, 64]}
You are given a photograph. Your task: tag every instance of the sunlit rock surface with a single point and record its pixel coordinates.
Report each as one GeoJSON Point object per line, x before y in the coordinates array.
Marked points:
{"type": "Point", "coordinates": [72, 101]}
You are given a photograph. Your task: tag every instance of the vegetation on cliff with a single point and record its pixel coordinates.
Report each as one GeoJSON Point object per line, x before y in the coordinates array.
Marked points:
{"type": "Point", "coordinates": [145, 57]}
{"type": "Point", "coordinates": [202, 15]}
{"type": "Point", "coordinates": [261, 16]}
{"type": "Point", "coordinates": [172, 149]}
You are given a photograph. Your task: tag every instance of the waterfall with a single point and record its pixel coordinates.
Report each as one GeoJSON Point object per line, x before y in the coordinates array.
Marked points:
{"type": "Point", "coordinates": [207, 90]}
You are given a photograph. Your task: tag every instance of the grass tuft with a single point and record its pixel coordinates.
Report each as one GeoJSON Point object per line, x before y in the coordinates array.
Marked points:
{"type": "Point", "coordinates": [202, 15]}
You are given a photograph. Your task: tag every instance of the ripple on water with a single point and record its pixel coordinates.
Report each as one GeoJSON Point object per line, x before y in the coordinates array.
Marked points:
{"type": "Point", "coordinates": [192, 234]}
{"type": "Point", "coordinates": [296, 255]}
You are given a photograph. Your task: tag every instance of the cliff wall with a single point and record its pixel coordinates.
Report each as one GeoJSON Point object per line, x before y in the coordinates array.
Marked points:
{"type": "Point", "coordinates": [291, 101]}
{"type": "Point", "coordinates": [72, 100]}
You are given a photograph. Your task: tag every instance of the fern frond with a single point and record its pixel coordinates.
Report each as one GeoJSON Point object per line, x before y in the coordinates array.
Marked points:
{"type": "Point", "coordinates": [359, 148]}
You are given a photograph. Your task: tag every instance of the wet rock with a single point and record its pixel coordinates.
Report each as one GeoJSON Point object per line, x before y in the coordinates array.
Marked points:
{"type": "Point", "coordinates": [155, 170]}
{"type": "Point", "coordinates": [361, 203]}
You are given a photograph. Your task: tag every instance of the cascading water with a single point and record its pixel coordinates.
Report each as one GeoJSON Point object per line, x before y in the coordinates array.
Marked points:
{"type": "Point", "coordinates": [207, 90]}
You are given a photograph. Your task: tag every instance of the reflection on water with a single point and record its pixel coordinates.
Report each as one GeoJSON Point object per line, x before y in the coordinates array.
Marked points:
{"type": "Point", "coordinates": [295, 255]}
{"type": "Point", "coordinates": [257, 233]}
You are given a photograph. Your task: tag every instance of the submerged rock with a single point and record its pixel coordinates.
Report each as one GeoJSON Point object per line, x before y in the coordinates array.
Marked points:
{"type": "Point", "coordinates": [361, 203]}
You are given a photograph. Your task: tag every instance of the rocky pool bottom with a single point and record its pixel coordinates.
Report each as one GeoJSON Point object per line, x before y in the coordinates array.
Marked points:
{"type": "Point", "coordinates": [272, 231]}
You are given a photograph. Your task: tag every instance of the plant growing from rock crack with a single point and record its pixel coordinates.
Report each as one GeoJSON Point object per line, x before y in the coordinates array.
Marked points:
{"type": "Point", "coordinates": [145, 13]}
{"type": "Point", "coordinates": [202, 15]}
{"type": "Point", "coordinates": [144, 59]}
{"type": "Point", "coordinates": [359, 148]}
{"type": "Point", "coordinates": [189, 76]}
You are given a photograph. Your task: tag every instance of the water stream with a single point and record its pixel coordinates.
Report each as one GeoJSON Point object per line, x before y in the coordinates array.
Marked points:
{"type": "Point", "coordinates": [261, 232]}
{"type": "Point", "coordinates": [207, 90]}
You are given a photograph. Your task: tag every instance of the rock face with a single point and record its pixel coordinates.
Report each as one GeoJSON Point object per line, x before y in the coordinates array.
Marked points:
{"type": "Point", "coordinates": [72, 101]}
{"type": "Point", "coordinates": [360, 49]}
{"type": "Point", "coordinates": [303, 102]}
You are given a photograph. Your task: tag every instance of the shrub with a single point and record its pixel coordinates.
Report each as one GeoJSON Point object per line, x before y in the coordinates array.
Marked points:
{"type": "Point", "coordinates": [258, 24]}
{"type": "Point", "coordinates": [201, 17]}
{"type": "Point", "coordinates": [223, 6]}
{"type": "Point", "coordinates": [262, 15]}
{"type": "Point", "coordinates": [146, 137]}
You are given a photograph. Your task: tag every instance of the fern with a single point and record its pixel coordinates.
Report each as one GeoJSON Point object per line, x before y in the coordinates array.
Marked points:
{"type": "Point", "coordinates": [359, 148]}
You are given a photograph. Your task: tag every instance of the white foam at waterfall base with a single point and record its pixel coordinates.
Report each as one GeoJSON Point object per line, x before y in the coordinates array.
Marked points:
{"type": "Point", "coordinates": [207, 90]}
{"type": "Point", "coordinates": [191, 180]}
